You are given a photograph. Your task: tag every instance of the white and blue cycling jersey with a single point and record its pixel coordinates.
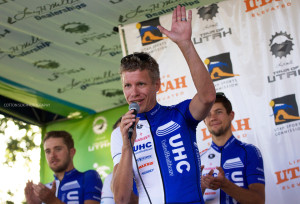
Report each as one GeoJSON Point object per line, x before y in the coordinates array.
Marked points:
{"type": "Point", "coordinates": [167, 155]}
{"type": "Point", "coordinates": [76, 187]}
{"type": "Point", "coordinates": [242, 164]}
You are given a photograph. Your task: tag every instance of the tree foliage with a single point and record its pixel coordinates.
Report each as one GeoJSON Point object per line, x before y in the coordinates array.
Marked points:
{"type": "Point", "coordinates": [18, 145]}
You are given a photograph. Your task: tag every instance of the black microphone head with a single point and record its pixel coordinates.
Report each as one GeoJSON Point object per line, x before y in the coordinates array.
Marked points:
{"type": "Point", "coordinates": [134, 106]}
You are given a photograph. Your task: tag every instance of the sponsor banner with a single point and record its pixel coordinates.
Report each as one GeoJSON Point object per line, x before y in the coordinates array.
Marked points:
{"type": "Point", "coordinates": [251, 51]}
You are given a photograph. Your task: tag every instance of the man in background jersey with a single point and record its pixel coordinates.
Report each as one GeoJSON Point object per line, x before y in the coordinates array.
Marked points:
{"type": "Point", "coordinates": [233, 171]}
{"type": "Point", "coordinates": [107, 196]}
{"type": "Point", "coordinates": [70, 185]}
{"type": "Point", "coordinates": [162, 154]}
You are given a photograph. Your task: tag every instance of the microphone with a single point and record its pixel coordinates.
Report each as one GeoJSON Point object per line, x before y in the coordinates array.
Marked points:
{"type": "Point", "coordinates": [133, 106]}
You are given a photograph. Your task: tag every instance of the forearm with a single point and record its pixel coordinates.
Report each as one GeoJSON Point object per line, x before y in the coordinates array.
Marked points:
{"type": "Point", "coordinates": [240, 194]}
{"type": "Point", "coordinates": [206, 93]}
{"type": "Point", "coordinates": [123, 177]}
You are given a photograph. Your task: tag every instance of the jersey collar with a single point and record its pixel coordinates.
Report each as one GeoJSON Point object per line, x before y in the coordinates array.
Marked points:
{"type": "Point", "coordinates": [227, 144]}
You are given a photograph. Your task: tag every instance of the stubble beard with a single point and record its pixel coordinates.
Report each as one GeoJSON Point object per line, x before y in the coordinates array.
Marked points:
{"type": "Point", "coordinates": [61, 168]}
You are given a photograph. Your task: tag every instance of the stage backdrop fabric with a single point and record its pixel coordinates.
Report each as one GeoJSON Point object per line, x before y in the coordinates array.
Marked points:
{"type": "Point", "coordinates": [251, 50]}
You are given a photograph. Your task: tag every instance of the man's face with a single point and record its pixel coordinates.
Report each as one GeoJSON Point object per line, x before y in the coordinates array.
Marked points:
{"type": "Point", "coordinates": [58, 156]}
{"type": "Point", "coordinates": [138, 87]}
{"type": "Point", "coordinates": [218, 121]}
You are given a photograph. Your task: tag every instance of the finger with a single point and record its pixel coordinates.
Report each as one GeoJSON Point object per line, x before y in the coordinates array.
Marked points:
{"type": "Point", "coordinates": [174, 15]}
{"type": "Point", "coordinates": [183, 13]}
{"type": "Point", "coordinates": [53, 189]}
{"type": "Point", "coordinates": [189, 16]}
{"type": "Point", "coordinates": [178, 13]}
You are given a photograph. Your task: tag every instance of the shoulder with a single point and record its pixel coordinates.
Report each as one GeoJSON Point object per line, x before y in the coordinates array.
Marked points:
{"type": "Point", "coordinates": [92, 175]}
{"type": "Point", "coordinates": [251, 149]}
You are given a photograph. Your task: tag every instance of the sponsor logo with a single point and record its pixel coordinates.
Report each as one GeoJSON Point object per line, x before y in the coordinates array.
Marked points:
{"type": "Point", "coordinates": [142, 138]}
{"type": "Point", "coordinates": [154, 10]}
{"type": "Point", "coordinates": [139, 126]}
{"type": "Point", "coordinates": [149, 32]}
{"type": "Point", "coordinates": [112, 92]}
{"type": "Point", "coordinates": [46, 11]}
{"type": "Point", "coordinates": [46, 64]}
{"type": "Point", "coordinates": [262, 7]}
{"type": "Point", "coordinates": [144, 158]}
{"type": "Point", "coordinates": [167, 156]}
{"type": "Point", "coordinates": [32, 45]}
{"type": "Point", "coordinates": [220, 67]}
{"type": "Point", "coordinates": [102, 170]}
{"type": "Point", "coordinates": [99, 125]}
{"type": "Point", "coordinates": [4, 33]}
{"type": "Point", "coordinates": [167, 128]}
{"type": "Point", "coordinates": [208, 12]}
{"type": "Point", "coordinates": [178, 151]}
{"type": "Point", "coordinates": [142, 147]}
{"type": "Point", "coordinates": [211, 156]}
{"type": "Point", "coordinates": [146, 164]}
{"type": "Point", "coordinates": [147, 172]}
{"type": "Point", "coordinates": [233, 163]}
{"type": "Point", "coordinates": [289, 177]}
{"type": "Point", "coordinates": [177, 83]}
{"type": "Point", "coordinates": [75, 27]}
{"type": "Point", "coordinates": [281, 44]}
{"type": "Point", "coordinates": [285, 109]}
{"type": "Point", "coordinates": [99, 145]}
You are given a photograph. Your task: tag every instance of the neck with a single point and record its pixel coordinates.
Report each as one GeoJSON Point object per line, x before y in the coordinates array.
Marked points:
{"type": "Point", "coordinates": [221, 139]}
{"type": "Point", "coordinates": [60, 175]}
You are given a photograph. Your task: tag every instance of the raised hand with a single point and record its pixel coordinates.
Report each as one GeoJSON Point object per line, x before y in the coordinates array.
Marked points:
{"type": "Point", "coordinates": [181, 29]}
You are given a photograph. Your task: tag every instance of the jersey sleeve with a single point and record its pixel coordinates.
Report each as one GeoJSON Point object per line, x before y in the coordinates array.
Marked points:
{"type": "Point", "coordinates": [184, 107]}
{"type": "Point", "coordinates": [116, 143]}
{"type": "Point", "coordinates": [255, 168]}
{"type": "Point", "coordinates": [92, 185]}
{"type": "Point", "coordinates": [107, 195]}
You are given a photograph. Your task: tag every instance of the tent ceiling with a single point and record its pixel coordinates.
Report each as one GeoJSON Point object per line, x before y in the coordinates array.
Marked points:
{"type": "Point", "coordinates": [63, 56]}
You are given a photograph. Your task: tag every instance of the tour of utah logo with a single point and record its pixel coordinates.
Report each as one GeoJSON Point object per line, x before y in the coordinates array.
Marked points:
{"type": "Point", "coordinates": [281, 44]}
{"type": "Point", "coordinates": [149, 32]}
{"type": "Point", "coordinates": [208, 12]}
{"type": "Point", "coordinates": [219, 66]}
{"type": "Point", "coordinates": [285, 109]}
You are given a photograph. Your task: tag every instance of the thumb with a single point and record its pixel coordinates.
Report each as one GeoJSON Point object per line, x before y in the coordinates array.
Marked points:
{"type": "Point", "coordinates": [53, 188]}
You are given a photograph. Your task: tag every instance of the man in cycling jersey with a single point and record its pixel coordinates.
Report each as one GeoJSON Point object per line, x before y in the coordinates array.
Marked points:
{"type": "Point", "coordinates": [69, 185]}
{"type": "Point", "coordinates": [107, 195]}
{"type": "Point", "coordinates": [233, 171]}
{"type": "Point", "coordinates": [162, 155]}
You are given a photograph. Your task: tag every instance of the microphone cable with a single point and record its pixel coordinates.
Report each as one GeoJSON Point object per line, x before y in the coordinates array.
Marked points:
{"type": "Point", "coordinates": [137, 168]}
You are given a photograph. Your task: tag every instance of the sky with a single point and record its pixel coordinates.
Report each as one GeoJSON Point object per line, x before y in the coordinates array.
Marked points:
{"type": "Point", "coordinates": [15, 178]}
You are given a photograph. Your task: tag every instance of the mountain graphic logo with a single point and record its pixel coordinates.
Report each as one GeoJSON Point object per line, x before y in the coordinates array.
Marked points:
{"type": "Point", "coordinates": [285, 109]}
{"type": "Point", "coordinates": [149, 32]}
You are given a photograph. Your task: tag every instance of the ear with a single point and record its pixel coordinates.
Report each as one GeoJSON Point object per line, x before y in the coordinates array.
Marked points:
{"type": "Point", "coordinates": [231, 115]}
{"type": "Point", "coordinates": [72, 152]}
{"type": "Point", "coordinates": [157, 84]}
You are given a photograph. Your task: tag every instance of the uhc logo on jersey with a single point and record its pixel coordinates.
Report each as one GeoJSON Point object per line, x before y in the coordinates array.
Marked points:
{"type": "Point", "coordinates": [149, 32]}
{"type": "Point", "coordinates": [220, 66]}
{"type": "Point", "coordinates": [142, 147]}
{"type": "Point", "coordinates": [285, 109]}
{"type": "Point", "coordinates": [173, 147]}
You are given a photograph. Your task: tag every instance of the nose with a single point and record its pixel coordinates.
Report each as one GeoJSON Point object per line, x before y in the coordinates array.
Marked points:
{"type": "Point", "coordinates": [134, 91]}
